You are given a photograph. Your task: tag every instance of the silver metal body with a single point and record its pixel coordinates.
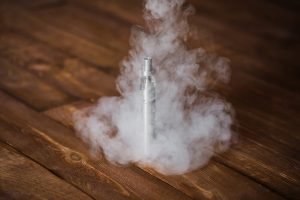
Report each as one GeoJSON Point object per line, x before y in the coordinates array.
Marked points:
{"type": "Point", "coordinates": [149, 96]}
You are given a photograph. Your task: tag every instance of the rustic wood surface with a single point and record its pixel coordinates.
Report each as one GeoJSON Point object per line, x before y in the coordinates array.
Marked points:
{"type": "Point", "coordinates": [57, 56]}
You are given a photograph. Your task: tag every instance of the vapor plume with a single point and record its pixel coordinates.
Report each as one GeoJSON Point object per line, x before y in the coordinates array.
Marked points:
{"type": "Point", "coordinates": [191, 123]}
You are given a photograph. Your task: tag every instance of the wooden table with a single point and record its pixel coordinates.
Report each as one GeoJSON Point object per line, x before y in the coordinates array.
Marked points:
{"type": "Point", "coordinates": [57, 56]}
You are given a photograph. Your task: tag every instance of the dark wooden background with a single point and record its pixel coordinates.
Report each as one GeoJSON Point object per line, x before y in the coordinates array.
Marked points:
{"type": "Point", "coordinates": [57, 56]}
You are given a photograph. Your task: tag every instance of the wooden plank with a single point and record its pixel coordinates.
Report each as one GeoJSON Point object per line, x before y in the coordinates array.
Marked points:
{"type": "Point", "coordinates": [63, 114]}
{"type": "Point", "coordinates": [29, 88]}
{"type": "Point", "coordinates": [292, 5]}
{"type": "Point", "coordinates": [34, 3]}
{"type": "Point", "coordinates": [102, 28]}
{"type": "Point", "coordinates": [95, 29]}
{"type": "Point", "coordinates": [93, 89]}
{"type": "Point", "coordinates": [212, 30]}
{"type": "Point", "coordinates": [131, 12]}
{"type": "Point", "coordinates": [216, 181]}
{"type": "Point", "coordinates": [236, 25]}
{"type": "Point", "coordinates": [21, 178]}
{"type": "Point", "coordinates": [262, 125]}
{"type": "Point", "coordinates": [275, 22]}
{"type": "Point", "coordinates": [59, 150]}
{"type": "Point", "coordinates": [211, 37]}
{"type": "Point", "coordinates": [67, 15]}
{"type": "Point", "coordinates": [268, 167]}
{"type": "Point", "coordinates": [261, 101]}
{"type": "Point", "coordinates": [248, 95]}
{"type": "Point", "coordinates": [208, 182]}
{"type": "Point", "coordinates": [66, 72]}
{"type": "Point", "coordinates": [60, 39]}
{"type": "Point", "coordinates": [236, 76]}
{"type": "Point", "coordinates": [241, 92]}
{"type": "Point", "coordinates": [257, 162]}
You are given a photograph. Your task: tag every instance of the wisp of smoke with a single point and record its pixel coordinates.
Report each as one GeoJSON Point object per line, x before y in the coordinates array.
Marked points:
{"type": "Point", "coordinates": [191, 122]}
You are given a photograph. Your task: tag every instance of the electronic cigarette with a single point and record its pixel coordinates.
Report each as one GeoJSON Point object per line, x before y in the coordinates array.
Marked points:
{"type": "Point", "coordinates": [149, 96]}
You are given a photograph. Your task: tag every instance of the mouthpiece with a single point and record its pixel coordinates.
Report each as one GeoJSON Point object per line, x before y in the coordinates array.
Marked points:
{"type": "Point", "coordinates": [147, 66]}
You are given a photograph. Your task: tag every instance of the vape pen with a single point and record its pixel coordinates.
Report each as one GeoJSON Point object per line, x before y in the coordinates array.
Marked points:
{"type": "Point", "coordinates": [148, 90]}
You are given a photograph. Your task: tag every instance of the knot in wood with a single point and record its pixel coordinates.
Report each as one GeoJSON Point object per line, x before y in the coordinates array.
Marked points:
{"type": "Point", "coordinates": [75, 156]}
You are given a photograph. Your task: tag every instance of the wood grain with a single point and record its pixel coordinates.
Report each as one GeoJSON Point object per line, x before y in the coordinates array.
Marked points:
{"type": "Point", "coordinates": [212, 31]}
{"type": "Point", "coordinates": [206, 188]}
{"type": "Point", "coordinates": [27, 22]}
{"type": "Point", "coordinates": [22, 178]}
{"type": "Point", "coordinates": [59, 150]}
{"type": "Point", "coordinates": [29, 88]}
{"type": "Point", "coordinates": [246, 88]}
{"type": "Point", "coordinates": [67, 14]}
{"type": "Point", "coordinates": [53, 52]}
{"type": "Point", "coordinates": [64, 71]}
{"type": "Point", "coordinates": [86, 26]}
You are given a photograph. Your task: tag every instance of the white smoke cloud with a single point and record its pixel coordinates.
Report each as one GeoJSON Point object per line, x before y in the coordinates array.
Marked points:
{"type": "Point", "coordinates": [192, 122]}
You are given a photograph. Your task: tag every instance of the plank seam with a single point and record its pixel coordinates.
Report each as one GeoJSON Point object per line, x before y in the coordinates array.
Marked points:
{"type": "Point", "coordinates": [251, 178]}
{"type": "Point", "coordinates": [49, 170]}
